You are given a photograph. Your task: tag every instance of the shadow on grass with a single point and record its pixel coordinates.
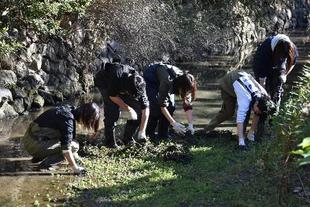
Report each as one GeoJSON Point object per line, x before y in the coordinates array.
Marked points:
{"type": "Point", "coordinates": [214, 177]}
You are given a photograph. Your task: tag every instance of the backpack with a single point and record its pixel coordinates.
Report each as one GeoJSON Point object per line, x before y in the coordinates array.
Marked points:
{"type": "Point", "coordinates": [101, 77]}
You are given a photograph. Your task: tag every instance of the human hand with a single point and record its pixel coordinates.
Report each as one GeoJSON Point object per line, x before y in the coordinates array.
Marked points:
{"type": "Point", "coordinates": [283, 78]}
{"type": "Point", "coordinates": [141, 135]}
{"type": "Point", "coordinates": [131, 114]}
{"type": "Point", "coordinates": [190, 128]}
{"type": "Point", "coordinates": [79, 170]}
{"type": "Point", "coordinates": [179, 128]}
{"type": "Point", "coordinates": [251, 136]}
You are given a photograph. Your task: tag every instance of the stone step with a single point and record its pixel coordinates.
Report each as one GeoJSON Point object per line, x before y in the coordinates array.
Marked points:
{"type": "Point", "coordinates": [299, 33]}
{"type": "Point", "coordinates": [300, 39]}
{"type": "Point", "coordinates": [209, 86]}
{"type": "Point", "coordinates": [303, 60]}
{"type": "Point", "coordinates": [204, 77]}
{"type": "Point", "coordinates": [208, 63]}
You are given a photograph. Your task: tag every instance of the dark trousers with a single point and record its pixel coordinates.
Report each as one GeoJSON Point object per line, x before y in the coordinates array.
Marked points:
{"type": "Point", "coordinates": [157, 119]}
{"type": "Point", "coordinates": [274, 87]}
{"type": "Point", "coordinates": [111, 115]}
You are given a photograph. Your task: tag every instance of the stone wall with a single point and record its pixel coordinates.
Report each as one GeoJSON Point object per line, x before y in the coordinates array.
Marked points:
{"type": "Point", "coordinates": [49, 70]}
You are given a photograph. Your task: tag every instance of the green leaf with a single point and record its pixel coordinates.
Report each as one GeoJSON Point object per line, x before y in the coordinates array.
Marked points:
{"type": "Point", "coordinates": [304, 161]}
{"type": "Point", "coordinates": [305, 142]}
{"type": "Point", "coordinates": [298, 152]}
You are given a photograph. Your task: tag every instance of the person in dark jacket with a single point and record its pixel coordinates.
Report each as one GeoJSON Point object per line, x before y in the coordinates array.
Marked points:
{"type": "Point", "coordinates": [239, 87]}
{"type": "Point", "coordinates": [123, 88]}
{"type": "Point", "coordinates": [273, 61]}
{"type": "Point", "coordinates": [50, 138]}
{"type": "Point", "coordinates": [163, 81]}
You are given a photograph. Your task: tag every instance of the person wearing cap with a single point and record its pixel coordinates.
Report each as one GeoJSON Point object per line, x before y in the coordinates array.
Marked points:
{"type": "Point", "coordinates": [163, 81]}
{"type": "Point", "coordinates": [239, 87]}
{"type": "Point", "coordinates": [50, 138]}
{"type": "Point", "coordinates": [273, 61]}
{"type": "Point", "coordinates": [122, 87]}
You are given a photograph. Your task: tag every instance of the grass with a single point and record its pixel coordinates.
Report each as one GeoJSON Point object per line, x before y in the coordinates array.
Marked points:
{"type": "Point", "coordinates": [217, 175]}
{"type": "Point", "coordinates": [214, 173]}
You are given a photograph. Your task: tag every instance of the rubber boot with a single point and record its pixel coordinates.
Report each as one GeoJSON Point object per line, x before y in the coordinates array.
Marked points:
{"type": "Point", "coordinates": [130, 130]}
{"type": "Point", "coordinates": [110, 140]}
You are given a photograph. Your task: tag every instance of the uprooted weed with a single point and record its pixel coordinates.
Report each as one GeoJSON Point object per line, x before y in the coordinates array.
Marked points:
{"type": "Point", "coordinates": [167, 151]}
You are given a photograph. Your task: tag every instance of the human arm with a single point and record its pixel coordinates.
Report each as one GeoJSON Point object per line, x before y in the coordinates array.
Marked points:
{"type": "Point", "coordinates": [189, 116]}
{"type": "Point", "coordinates": [118, 101]}
{"type": "Point", "coordinates": [69, 157]}
{"type": "Point", "coordinates": [67, 129]}
{"type": "Point", "coordinates": [143, 123]}
{"type": "Point", "coordinates": [289, 71]}
{"type": "Point", "coordinates": [178, 128]}
{"type": "Point", "coordinates": [145, 112]}
{"type": "Point", "coordinates": [253, 129]}
{"type": "Point", "coordinates": [168, 116]}
{"type": "Point", "coordinates": [187, 106]}
{"type": "Point", "coordinates": [262, 82]}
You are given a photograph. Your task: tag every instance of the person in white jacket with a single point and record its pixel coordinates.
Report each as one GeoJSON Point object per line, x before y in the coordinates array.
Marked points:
{"type": "Point", "coordinates": [239, 87]}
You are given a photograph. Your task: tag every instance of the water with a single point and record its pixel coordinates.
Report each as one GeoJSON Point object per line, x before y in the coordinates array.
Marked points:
{"type": "Point", "coordinates": [24, 185]}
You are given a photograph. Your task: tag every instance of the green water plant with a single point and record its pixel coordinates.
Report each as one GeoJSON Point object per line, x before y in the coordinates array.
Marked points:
{"type": "Point", "coordinates": [304, 152]}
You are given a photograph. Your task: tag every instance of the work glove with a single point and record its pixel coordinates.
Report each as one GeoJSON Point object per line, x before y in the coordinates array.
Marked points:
{"type": "Point", "coordinates": [131, 114]}
{"type": "Point", "coordinates": [251, 136]}
{"type": "Point", "coordinates": [179, 128]}
{"type": "Point", "coordinates": [141, 135]}
{"type": "Point", "coordinates": [190, 128]}
{"type": "Point", "coordinates": [79, 170]}
{"type": "Point", "coordinates": [283, 78]}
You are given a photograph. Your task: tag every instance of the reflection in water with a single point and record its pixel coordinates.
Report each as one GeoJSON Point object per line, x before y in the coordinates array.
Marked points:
{"type": "Point", "coordinates": [12, 157]}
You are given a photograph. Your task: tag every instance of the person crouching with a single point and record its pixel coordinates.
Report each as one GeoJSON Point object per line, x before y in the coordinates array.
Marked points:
{"type": "Point", "coordinates": [50, 138]}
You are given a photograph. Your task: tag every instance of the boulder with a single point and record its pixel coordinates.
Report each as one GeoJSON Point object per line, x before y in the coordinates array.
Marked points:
{"type": "Point", "coordinates": [38, 102]}
{"type": "Point", "coordinates": [7, 111]}
{"type": "Point", "coordinates": [5, 95]}
{"type": "Point", "coordinates": [7, 77]}
{"type": "Point", "coordinates": [19, 106]}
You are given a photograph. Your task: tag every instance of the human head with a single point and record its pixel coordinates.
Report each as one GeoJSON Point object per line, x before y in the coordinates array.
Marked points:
{"type": "Point", "coordinates": [264, 106]}
{"type": "Point", "coordinates": [89, 115]}
{"type": "Point", "coordinates": [135, 85]}
{"type": "Point", "coordinates": [185, 84]}
{"type": "Point", "coordinates": [283, 57]}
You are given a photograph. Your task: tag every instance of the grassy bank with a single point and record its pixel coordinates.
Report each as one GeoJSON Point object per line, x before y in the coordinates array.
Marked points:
{"type": "Point", "coordinates": [210, 173]}
{"type": "Point", "coordinates": [216, 175]}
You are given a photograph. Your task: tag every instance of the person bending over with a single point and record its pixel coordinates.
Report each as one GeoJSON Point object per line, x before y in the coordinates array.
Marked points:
{"type": "Point", "coordinates": [239, 87]}
{"type": "Point", "coordinates": [274, 59]}
{"type": "Point", "coordinates": [50, 138]}
{"type": "Point", "coordinates": [122, 87]}
{"type": "Point", "coordinates": [163, 81]}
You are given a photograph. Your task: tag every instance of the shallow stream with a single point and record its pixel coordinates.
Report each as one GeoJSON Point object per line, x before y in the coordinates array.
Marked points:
{"type": "Point", "coordinates": [23, 184]}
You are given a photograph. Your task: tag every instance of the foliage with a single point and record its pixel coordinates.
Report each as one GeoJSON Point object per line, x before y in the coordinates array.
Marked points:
{"type": "Point", "coordinates": [6, 45]}
{"type": "Point", "coordinates": [185, 30]}
{"type": "Point", "coordinates": [304, 151]}
{"type": "Point", "coordinates": [291, 124]}
{"type": "Point", "coordinates": [217, 175]}
{"type": "Point", "coordinates": [43, 17]}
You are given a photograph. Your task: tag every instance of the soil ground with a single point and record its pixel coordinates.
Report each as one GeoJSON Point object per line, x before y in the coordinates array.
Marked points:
{"type": "Point", "coordinates": [23, 184]}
